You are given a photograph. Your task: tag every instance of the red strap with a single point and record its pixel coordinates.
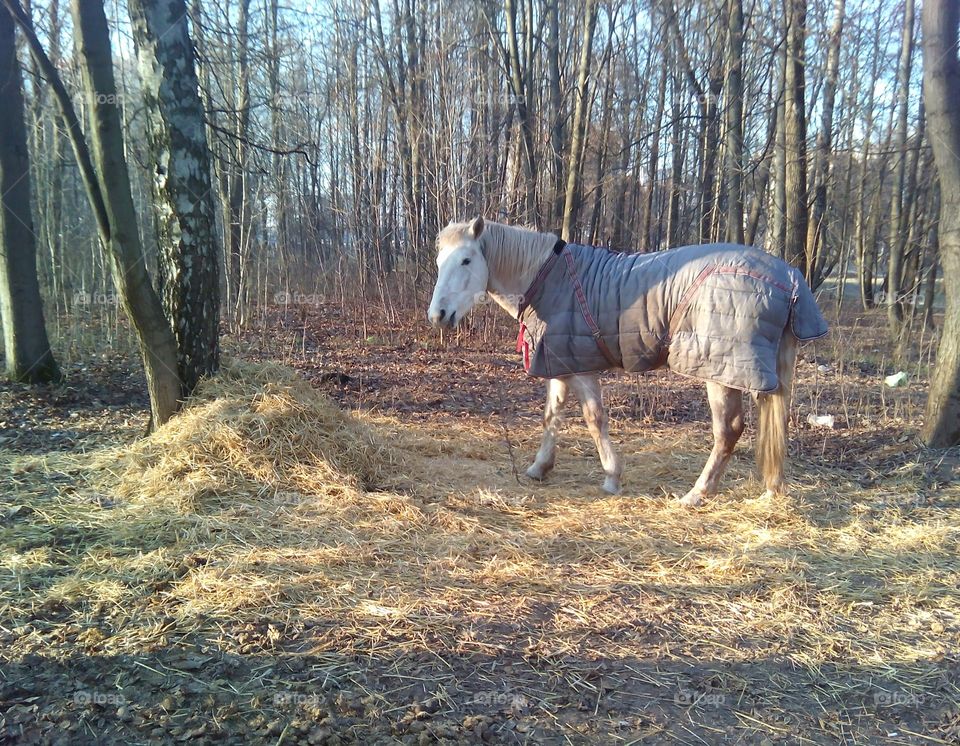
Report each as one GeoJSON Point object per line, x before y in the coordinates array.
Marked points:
{"type": "Point", "coordinates": [524, 346]}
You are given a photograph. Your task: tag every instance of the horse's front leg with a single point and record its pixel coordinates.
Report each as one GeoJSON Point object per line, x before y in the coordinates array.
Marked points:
{"type": "Point", "coordinates": [587, 389]}
{"type": "Point", "coordinates": [726, 407]}
{"type": "Point", "coordinates": [552, 417]}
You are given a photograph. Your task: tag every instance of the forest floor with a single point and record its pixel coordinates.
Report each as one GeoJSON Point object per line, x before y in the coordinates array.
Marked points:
{"type": "Point", "coordinates": [436, 595]}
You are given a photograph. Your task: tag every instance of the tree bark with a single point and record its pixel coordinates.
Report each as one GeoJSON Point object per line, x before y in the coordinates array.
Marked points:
{"type": "Point", "coordinates": [26, 345]}
{"type": "Point", "coordinates": [237, 194]}
{"type": "Point", "coordinates": [817, 227]}
{"type": "Point", "coordinates": [795, 137]}
{"type": "Point", "coordinates": [556, 111]}
{"type": "Point", "coordinates": [158, 345]}
{"type": "Point", "coordinates": [733, 92]}
{"type": "Point", "coordinates": [189, 275]}
{"type": "Point", "coordinates": [107, 183]}
{"type": "Point", "coordinates": [572, 202]}
{"type": "Point", "coordinates": [897, 239]}
{"type": "Point", "coordinates": [647, 242]}
{"type": "Point", "coordinates": [674, 231]}
{"type": "Point", "coordinates": [941, 82]}
{"type": "Point", "coordinates": [708, 97]}
{"type": "Point", "coordinates": [522, 98]}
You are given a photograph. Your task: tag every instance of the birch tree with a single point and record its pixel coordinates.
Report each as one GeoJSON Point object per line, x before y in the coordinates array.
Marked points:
{"type": "Point", "coordinates": [189, 259]}
{"type": "Point", "coordinates": [105, 177]}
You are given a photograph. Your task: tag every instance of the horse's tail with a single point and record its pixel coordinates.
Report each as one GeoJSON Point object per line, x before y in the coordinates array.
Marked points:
{"type": "Point", "coordinates": [775, 416]}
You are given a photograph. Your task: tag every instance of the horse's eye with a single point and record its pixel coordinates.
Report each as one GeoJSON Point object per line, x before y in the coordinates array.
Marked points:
{"type": "Point", "coordinates": [466, 262]}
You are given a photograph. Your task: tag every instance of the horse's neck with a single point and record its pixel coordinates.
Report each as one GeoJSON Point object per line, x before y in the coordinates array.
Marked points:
{"type": "Point", "coordinates": [514, 256]}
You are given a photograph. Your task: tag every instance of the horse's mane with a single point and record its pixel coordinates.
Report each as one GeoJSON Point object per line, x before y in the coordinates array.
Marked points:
{"type": "Point", "coordinates": [512, 251]}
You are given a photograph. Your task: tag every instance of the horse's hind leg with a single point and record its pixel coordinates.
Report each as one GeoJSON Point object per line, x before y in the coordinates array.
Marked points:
{"type": "Point", "coordinates": [587, 389]}
{"type": "Point", "coordinates": [726, 408]}
{"type": "Point", "coordinates": [552, 417]}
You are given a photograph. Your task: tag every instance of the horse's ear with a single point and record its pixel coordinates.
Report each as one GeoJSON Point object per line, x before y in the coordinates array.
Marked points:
{"type": "Point", "coordinates": [476, 227]}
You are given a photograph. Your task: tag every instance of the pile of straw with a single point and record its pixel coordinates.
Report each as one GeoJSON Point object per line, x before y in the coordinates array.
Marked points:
{"type": "Point", "coordinates": [253, 431]}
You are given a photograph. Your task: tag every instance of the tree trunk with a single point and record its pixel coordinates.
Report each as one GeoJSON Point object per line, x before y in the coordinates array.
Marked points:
{"type": "Point", "coordinates": [708, 97]}
{"type": "Point", "coordinates": [762, 179]}
{"type": "Point", "coordinates": [157, 343]}
{"type": "Point", "coordinates": [897, 240]}
{"type": "Point", "coordinates": [521, 98]}
{"type": "Point", "coordinates": [237, 195]}
{"type": "Point", "coordinates": [733, 91]}
{"type": "Point", "coordinates": [189, 276]}
{"type": "Point", "coordinates": [866, 251]}
{"type": "Point", "coordinates": [795, 137]}
{"type": "Point", "coordinates": [572, 202]}
{"type": "Point", "coordinates": [107, 184]}
{"type": "Point", "coordinates": [647, 242]}
{"type": "Point", "coordinates": [26, 345]}
{"type": "Point", "coordinates": [776, 220]}
{"type": "Point", "coordinates": [817, 227]}
{"type": "Point", "coordinates": [556, 112]}
{"type": "Point", "coordinates": [941, 81]}
{"type": "Point", "coordinates": [674, 231]}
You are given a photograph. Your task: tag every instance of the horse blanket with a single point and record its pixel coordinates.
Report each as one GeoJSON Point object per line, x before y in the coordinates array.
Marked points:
{"type": "Point", "coordinates": [715, 312]}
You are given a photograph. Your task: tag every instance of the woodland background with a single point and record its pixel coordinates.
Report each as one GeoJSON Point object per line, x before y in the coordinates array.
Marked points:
{"type": "Point", "coordinates": [238, 156]}
{"type": "Point", "coordinates": [344, 135]}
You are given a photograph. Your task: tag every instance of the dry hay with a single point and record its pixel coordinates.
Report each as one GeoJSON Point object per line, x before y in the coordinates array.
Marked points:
{"type": "Point", "coordinates": [264, 501]}
{"type": "Point", "coordinates": [253, 430]}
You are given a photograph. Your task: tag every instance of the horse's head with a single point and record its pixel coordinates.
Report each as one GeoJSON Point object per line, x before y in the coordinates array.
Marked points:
{"type": "Point", "coordinates": [462, 273]}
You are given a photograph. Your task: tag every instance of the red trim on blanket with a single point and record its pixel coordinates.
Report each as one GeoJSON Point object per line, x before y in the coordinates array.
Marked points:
{"type": "Point", "coordinates": [687, 299]}
{"type": "Point", "coordinates": [585, 310]}
{"type": "Point", "coordinates": [718, 269]}
{"type": "Point", "coordinates": [724, 270]}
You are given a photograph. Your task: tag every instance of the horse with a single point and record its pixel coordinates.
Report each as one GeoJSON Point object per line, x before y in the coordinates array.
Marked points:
{"type": "Point", "coordinates": [729, 315]}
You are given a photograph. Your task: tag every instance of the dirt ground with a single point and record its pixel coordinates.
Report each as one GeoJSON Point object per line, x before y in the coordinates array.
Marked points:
{"type": "Point", "coordinates": [490, 609]}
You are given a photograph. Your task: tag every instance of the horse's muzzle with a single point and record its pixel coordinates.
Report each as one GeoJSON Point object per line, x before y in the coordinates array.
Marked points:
{"type": "Point", "coordinates": [440, 318]}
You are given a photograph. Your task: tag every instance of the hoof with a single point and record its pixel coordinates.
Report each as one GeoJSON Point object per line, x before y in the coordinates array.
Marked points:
{"type": "Point", "coordinates": [611, 485]}
{"type": "Point", "coordinates": [692, 499]}
{"type": "Point", "coordinates": [537, 472]}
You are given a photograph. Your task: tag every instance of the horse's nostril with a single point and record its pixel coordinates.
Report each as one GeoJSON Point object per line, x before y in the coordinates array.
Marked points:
{"type": "Point", "coordinates": [443, 312]}
{"type": "Point", "coordinates": [453, 317]}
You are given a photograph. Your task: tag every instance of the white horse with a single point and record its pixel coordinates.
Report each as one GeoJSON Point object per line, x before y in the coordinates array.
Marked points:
{"type": "Point", "coordinates": [481, 258]}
